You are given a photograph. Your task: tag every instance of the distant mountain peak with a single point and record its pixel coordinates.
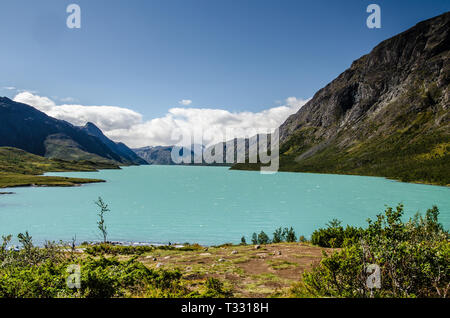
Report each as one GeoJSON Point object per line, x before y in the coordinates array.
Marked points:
{"type": "Point", "coordinates": [90, 124]}
{"type": "Point", "coordinates": [93, 129]}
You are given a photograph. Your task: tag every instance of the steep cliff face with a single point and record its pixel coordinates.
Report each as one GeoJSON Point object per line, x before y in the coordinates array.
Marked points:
{"type": "Point", "coordinates": [387, 115]}
{"type": "Point", "coordinates": [417, 57]}
{"type": "Point", "coordinates": [158, 155]}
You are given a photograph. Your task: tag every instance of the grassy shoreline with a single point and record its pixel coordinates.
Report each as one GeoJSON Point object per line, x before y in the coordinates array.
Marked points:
{"type": "Point", "coordinates": [256, 167]}
{"type": "Point", "coordinates": [19, 180]}
{"type": "Point", "coordinates": [21, 169]}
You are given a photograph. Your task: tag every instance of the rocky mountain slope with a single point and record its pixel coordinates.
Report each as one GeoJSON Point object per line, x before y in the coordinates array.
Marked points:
{"type": "Point", "coordinates": [387, 115]}
{"type": "Point", "coordinates": [162, 155]}
{"type": "Point", "coordinates": [126, 154]}
{"type": "Point", "coordinates": [27, 128]}
{"type": "Point", "coordinates": [157, 155]}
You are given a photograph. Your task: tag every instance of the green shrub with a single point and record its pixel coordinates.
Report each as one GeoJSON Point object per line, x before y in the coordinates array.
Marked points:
{"type": "Point", "coordinates": [41, 272]}
{"type": "Point", "coordinates": [263, 238]}
{"type": "Point", "coordinates": [105, 248]}
{"type": "Point", "coordinates": [215, 289]}
{"type": "Point", "coordinates": [278, 236]}
{"type": "Point", "coordinates": [302, 239]}
{"type": "Point", "coordinates": [190, 247]}
{"type": "Point", "coordinates": [44, 281]}
{"type": "Point", "coordinates": [413, 258]}
{"type": "Point", "coordinates": [284, 235]}
{"type": "Point", "coordinates": [254, 239]}
{"type": "Point", "coordinates": [335, 235]}
{"type": "Point", "coordinates": [110, 249]}
{"type": "Point", "coordinates": [289, 235]}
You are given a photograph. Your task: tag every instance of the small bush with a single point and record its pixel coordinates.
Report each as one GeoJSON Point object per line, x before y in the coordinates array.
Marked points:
{"type": "Point", "coordinates": [302, 239]}
{"type": "Point", "coordinates": [215, 289]}
{"type": "Point", "coordinates": [278, 236]}
{"type": "Point", "coordinates": [289, 234]}
{"type": "Point", "coordinates": [263, 238]}
{"type": "Point", "coordinates": [254, 239]}
{"type": "Point", "coordinates": [335, 235]}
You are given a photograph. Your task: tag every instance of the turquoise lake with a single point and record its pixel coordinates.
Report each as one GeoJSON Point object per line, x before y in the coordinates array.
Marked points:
{"type": "Point", "coordinates": [207, 205]}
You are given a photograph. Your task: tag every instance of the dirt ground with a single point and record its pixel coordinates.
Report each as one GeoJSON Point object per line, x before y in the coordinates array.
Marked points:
{"type": "Point", "coordinates": [249, 272]}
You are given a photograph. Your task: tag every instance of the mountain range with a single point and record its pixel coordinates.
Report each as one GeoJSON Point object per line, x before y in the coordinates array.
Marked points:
{"type": "Point", "coordinates": [29, 129]}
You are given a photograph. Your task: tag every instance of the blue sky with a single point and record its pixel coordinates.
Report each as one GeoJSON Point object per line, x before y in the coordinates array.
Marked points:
{"type": "Point", "coordinates": [236, 55]}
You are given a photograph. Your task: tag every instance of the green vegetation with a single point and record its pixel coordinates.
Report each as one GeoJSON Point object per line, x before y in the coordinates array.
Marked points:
{"type": "Point", "coordinates": [280, 235]}
{"type": "Point", "coordinates": [111, 249]}
{"type": "Point", "coordinates": [408, 156]}
{"type": "Point", "coordinates": [281, 264]}
{"type": "Point", "coordinates": [402, 142]}
{"type": "Point", "coordinates": [46, 277]}
{"type": "Point", "coordinates": [413, 258]}
{"type": "Point", "coordinates": [15, 160]}
{"type": "Point", "coordinates": [20, 168]}
{"type": "Point", "coordinates": [335, 235]}
{"type": "Point", "coordinates": [9, 180]}
{"type": "Point", "coordinates": [62, 147]}
{"type": "Point", "coordinates": [43, 273]}
{"type": "Point", "coordinates": [263, 238]}
{"type": "Point", "coordinates": [215, 289]}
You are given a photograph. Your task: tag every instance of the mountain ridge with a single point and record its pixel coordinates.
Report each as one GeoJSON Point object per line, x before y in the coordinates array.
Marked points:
{"type": "Point", "coordinates": [29, 129]}
{"type": "Point", "coordinates": [127, 155]}
{"type": "Point", "coordinates": [387, 115]}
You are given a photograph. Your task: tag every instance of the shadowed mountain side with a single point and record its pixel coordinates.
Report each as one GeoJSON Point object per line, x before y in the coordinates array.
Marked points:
{"type": "Point", "coordinates": [126, 154]}
{"type": "Point", "coordinates": [27, 128]}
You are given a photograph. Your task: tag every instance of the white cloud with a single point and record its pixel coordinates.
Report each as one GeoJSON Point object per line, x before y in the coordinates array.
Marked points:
{"type": "Point", "coordinates": [185, 102]}
{"type": "Point", "coordinates": [9, 88]}
{"type": "Point", "coordinates": [192, 121]}
{"type": "Point", "coordinates": [105, 117]}
{"type": "Point", "coordinates": [126, 125]}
